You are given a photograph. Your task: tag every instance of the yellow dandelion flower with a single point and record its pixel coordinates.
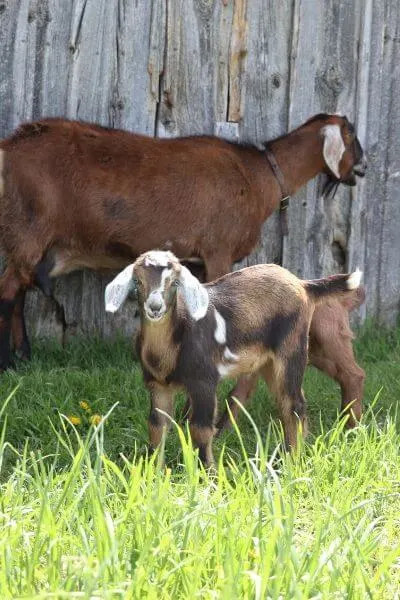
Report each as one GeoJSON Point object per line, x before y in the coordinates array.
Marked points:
{"type": "Point", "coordinates": [74, 419]}
{"type": "Point", "coordinates": [95, 419]}
{"type": "Point", "coordinates": [84, 405]}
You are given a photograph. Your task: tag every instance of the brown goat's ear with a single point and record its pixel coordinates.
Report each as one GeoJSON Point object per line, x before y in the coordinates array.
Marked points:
{"type": "Point", "coordinates": [194, 294]}
{"type": "Point", "coordinates": [118, 289]}
{"type": "Point", "coordinates": [333, 148]}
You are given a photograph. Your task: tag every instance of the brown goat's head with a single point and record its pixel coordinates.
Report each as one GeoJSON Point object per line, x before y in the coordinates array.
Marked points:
{"type": "Point", "coordinates": [157, 275]}
{"type": "Point", "coordinates": [342, 151]}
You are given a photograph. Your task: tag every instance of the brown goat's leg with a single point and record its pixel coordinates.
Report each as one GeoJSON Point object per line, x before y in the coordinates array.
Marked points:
{"type": "Point", "coordinates": [202, 419]}
{"type": "Point", "coordinates": [162, 399]}
{"type": "Point", "coordinates": [242, 391]}
{"type": "Point", "coordinates": [19, 335]}
{"type": "Point", "coordinates": [9, 288]}
{"type": "Point", "coordinates": [331, 351]}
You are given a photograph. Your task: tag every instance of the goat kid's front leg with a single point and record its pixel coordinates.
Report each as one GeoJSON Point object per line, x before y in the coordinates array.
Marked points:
{"type": "Point", "coordinates": [202, 420]}
{"type": "Point", "coordinates": [162, 399]}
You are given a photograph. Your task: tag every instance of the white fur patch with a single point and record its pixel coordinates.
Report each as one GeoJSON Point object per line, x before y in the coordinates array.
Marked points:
{"type": "Point", "coordinates": [334, 147]}
{"type": "Point", "coordinates": [194, 294]}
{"type": "Point", "coordinates": [164, 276]}
{"type": "Point", "coordinates": [220, 329]}
{"type": "Point", "coordinates": [228, 355]}
{"type": "Point", "coordinates": [1, 173]}
{"type": "Point", "coordinates": [157, 258]}
{"type": "Point", "coordinates": [224, 370]}
{"type": "Point", "coordinates": [118, 289]}
{"type": "Point", "coordinates": [354, 280]}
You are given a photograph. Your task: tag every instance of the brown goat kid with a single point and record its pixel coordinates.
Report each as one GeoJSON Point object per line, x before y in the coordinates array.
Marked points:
{"type": "Point", "coordinates": [251, 322]}
{"type": "Point", "coordinates": [76, 195]}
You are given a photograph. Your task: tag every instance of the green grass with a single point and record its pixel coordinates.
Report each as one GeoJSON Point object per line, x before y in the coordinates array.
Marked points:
{"type": "Point", "coordinates": [84, 513]}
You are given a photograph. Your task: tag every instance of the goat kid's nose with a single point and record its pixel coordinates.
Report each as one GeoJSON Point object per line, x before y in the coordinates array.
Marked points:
{"type": "Point", "coordinates": [155, 304]}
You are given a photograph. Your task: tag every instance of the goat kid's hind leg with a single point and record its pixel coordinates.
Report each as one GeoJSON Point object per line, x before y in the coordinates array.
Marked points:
{"type": "Point", "coordinates": [285, 380]}
{"type": "Point", "coordinates": [162, 399]}
{"type": "Point", "coordinates": [202, 421]}
{"type": "Point", "coordinates": [10, 285]}
{"type": "Point", "coordinates": [20, 339]}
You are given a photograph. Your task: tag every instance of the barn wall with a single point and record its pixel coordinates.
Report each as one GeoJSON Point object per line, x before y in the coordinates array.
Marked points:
{"type": "Point", "coordinates": [247, 69]}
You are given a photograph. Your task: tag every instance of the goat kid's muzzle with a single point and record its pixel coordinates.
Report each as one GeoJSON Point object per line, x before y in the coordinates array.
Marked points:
{"type": "Point", "coordinates": [155, 307]}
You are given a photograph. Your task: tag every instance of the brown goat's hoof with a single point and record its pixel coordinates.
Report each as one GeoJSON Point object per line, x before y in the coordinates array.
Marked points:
{"type": "Point", "coordinates": [6, 365]}
{"type": "Point", "coordinates": [23, 353]}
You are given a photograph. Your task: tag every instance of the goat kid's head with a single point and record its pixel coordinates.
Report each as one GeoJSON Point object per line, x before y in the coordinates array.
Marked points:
{"type": "Point", "coordinates": [342, 151]}
{"type": "Point", "coordinates": [157, 276]}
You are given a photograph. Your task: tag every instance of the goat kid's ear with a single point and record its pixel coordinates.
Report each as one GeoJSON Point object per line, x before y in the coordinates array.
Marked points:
{"type": "Point", "coordinates": [333, 148]}
{"type": "Point", "coordinates": [118, 289]}
{"type": "Point", "coordinates": [194, 294]}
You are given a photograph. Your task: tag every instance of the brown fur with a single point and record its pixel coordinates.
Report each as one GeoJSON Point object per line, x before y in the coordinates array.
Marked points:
{"type": "Point", "coordinates": [158, 351]}
{"type": "Point", "coordinates": [96, 197]}
{"type": "Point", "coordinates": [202, 190]}
{"type": "Point", "coordinates": [253, 322]}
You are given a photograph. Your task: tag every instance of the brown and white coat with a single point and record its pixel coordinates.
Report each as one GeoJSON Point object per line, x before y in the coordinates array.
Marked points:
{"type": "Point", "coordinates": [251, 322]}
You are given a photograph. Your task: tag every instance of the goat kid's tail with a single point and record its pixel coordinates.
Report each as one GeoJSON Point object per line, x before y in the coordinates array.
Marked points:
{"type": "Point", "coordinates": [335, 285]}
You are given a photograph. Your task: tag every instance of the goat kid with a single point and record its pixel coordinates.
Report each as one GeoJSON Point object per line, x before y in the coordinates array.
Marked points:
{"type": "Point", "coordinates": [250, 322]}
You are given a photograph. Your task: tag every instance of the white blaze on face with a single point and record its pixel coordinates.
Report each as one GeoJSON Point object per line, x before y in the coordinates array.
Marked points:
{"type": "Point", "coordinates": [156, 298]}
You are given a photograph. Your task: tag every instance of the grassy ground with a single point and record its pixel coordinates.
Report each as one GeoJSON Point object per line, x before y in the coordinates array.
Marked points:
{"type": "Point", "coordinates": [83, 513]}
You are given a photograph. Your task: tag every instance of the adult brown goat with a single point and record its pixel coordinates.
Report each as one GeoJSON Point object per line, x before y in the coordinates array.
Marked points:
{"type": "Point", "coordinates": [76, 195]}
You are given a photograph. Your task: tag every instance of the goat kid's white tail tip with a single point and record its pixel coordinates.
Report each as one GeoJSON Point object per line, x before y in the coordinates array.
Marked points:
{"type": "Point", "coordinates": [354, 280]}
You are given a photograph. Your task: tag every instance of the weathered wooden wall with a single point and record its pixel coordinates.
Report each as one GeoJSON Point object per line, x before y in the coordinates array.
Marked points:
{"type": "Point", "coordinates": [250, 69]}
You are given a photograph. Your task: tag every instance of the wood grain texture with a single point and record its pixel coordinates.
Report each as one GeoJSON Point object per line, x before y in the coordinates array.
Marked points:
{"type": "Point", "coordinates": [242, 69]}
